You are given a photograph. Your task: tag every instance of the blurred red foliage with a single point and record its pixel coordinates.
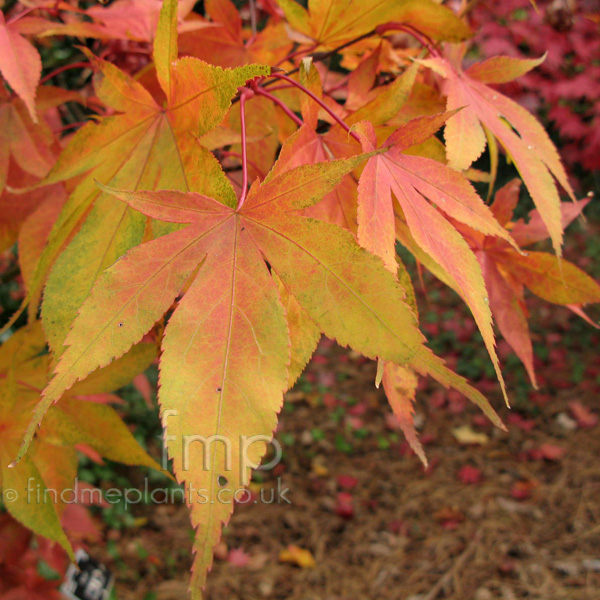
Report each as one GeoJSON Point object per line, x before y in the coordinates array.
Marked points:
{"type": "Point", "coordinates": [565, 90]}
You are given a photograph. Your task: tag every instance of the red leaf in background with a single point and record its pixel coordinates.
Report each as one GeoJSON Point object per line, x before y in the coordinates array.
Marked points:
{"type": "Point", "coordinates": [572, 41]}
{"type": "Point", "coordinates": [144, 388]}
{"type": "Point", "coordinates": [238, 558]}
{"type": "Point", "coordinates": [344, 505]}
{"type": "Point", "coordinates": [469, 474]}
{"type": "Point", "coordinates": [535, 230]}
{"type": "Point", "coordinates": [19, 560]}
{"type": "Point", "coordinates": [14, 539]}
{"type": "Point", "coordinates": [551, 452]}
{"type": "Point", "coordinates": [20, 64]}
{"type": "Point", "coordinates": [522, 490]}
{"type": "Point", "coordinates": [90, 453]}
{"type": "Point", "coordinates": [449, 518]}
{"type": "Point", "coordinates": [347, 481]}
{"type": "Point", "coordinates": [582, 414]}
{"type": "Point", "coordinates": [505, 202]}
{"type": "Point", "coordinates": [518, 421]}
{"type": "Point", "coordinates": [78, 523]}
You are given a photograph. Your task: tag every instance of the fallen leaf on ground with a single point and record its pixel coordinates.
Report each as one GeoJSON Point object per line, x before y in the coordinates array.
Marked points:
{"type": "Point", "coordinates": [469, 474]}
{"type": "Point", "coordinates": [344, 505]}
{"type": "Point", "coordinates": [347, 481]}
{"type": "Point", "coordinates": [582, 414]}
{"type": "Point", "coordinates": [238, 558]}
{"type": "Point", "coordinates": [465, 435]}
{"type": "Point", "coordinates": [297, 556]}
{"type": "Point", "coordinates": [552, 451]}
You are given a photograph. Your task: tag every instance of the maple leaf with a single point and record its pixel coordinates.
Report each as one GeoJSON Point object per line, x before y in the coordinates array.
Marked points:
{"type": "Point", "coordinates": [486, 110]}
{"type": "Point", "coordinates": [225, 44]}
{"type": "Point", "coordinates": [226, 346]}
{"type": "Point", "coordinates": [507, 273]}
{"type": "Point", "coordinates": [51, 465]}
{"type": "Point", "coordinates": [25, 144]}
{"type": "Point", "coordinates": [331, 23]}
{"type": "Point", "coordinates": [21, 554]}
{"type": "Point", "coordinates": [27, 152]}
{"type": "Point", "coordinates": [20, 64]}
{"type": "Point", "coordinates": [146, 146]}
{"type": "Point", "coordinates": [307, 146]}
{"type": "Point", "coordinates": [412, 179]}
{"type": "Point", "coordinates": [400, 385]}
{"type": "Point", "coordinates": [130, 20]}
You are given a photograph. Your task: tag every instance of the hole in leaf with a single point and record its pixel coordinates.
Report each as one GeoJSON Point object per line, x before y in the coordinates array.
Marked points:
{"type": "Point", "coordinates": [222, 481]}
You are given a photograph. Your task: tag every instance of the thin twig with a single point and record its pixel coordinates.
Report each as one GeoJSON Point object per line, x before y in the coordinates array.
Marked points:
{"type": "Point", "coordinates": [286, 109]}
{"type": "Point", "coordinates": [253, 24]}
{"type": "Point", "coordinates": [319, 102]}
{"type": "Point", "coordinates": [321, 56]}
{"type": "Point", "coordinates": [77, 65]}
{"type": "Point", "coordinates": [296, 53]}
{"type": "Point", "coordinates": [406, 28]}
{"type": "Point", "coordinates": [421, 37]}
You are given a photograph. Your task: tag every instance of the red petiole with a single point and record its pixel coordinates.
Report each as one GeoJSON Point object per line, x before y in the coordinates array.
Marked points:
{"type": "Point", "coordinates": [319, 102]}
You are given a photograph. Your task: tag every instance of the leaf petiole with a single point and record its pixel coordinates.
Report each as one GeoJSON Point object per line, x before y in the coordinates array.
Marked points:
{"type": "Point", "coordinates": [421, 37]}
{"type": "Point", "coordinates": [245, 93]}
{"type": "Point", "coordinates": [320, 102]}
{"type": "Point", "coordinates": [286, 109]}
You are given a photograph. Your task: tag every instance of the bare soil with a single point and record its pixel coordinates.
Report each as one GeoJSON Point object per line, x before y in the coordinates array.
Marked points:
{"type": "Point", "coordinates": [530, 529]}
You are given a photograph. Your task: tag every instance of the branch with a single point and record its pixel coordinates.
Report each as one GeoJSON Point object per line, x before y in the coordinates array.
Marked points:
{"type": "Point", "coordinates": [286, 109]}
{"type": "Point", "coordinates": [319, 102]}
{"type": "Point", "coordinates": [77, 65]}
{"type": "Point", "coordinates": [421, 37]}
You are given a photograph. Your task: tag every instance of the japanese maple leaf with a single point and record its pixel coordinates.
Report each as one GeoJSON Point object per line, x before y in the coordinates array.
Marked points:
{"type": "Point", "coordinates": [307, 146]}
{"type": "Point", "coordinates": [413, 180]}
{"type": "Point", "coordinates": [486, 110]}
{"type": "Point", "coordinates": [226, 347]}
{"type": "Point", "coordinates": [400, 385]}
{"type": "Point", "coordinates": [52, 462]}
{"type": "Point", "coordinates": [132, 20]}
{"type": "Point", "coordinates": [507, 273]}
{"type": "Point", "coordinates": [28, 145]}
{"type": "Point", "coordinates": [15, 209]}
{"type": "Point", "coordinates": [226, 44]}
{"type": "Point", "coordinates": [144, 146]}
{"type": "Point", "coordinates": [27, 152]}
{"type": "Point", "coordinates": [331, 23]}
{"type": "Point", "coordinates": [20, 64]}
{"type": "Point", "coordinates": [20, 556]}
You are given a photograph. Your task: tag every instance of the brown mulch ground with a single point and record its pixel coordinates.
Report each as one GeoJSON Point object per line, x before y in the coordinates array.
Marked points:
{"type": "Point", "coordinates": [529, 530]}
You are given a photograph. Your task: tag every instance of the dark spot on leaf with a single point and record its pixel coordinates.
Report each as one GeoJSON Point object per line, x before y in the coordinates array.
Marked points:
{"type": "Point", "coordinates": [222, 481]}
{"type": "Point", "coordinates": [219, 389]}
